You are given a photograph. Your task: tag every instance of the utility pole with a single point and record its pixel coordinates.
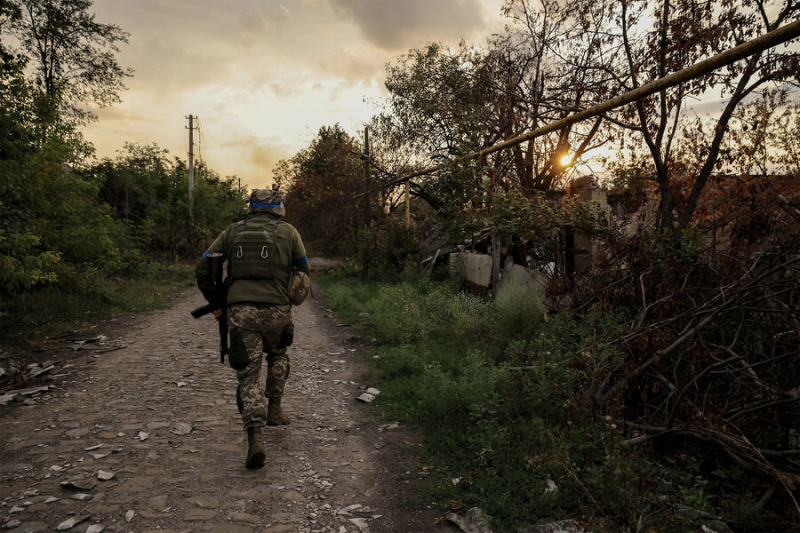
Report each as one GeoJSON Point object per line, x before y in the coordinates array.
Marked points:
{"type": "Point", "coordinates": [408, 205]}
{"type": "Point", "coordinates": [191, 167]}
{"type": "Point", "coordinates": [366, 171]}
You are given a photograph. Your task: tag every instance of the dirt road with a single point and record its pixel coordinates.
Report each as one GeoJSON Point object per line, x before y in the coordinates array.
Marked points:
{"type": "Point", "coordinates": [144, 426]}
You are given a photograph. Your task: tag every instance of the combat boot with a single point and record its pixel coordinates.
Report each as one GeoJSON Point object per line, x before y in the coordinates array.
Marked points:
{"type": "Point", "coordinates": [255, 451]}
{"type": "Point", "coordinates": [275, 416]}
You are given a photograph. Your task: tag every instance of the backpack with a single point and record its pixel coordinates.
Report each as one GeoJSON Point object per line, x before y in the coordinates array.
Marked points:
{"type": "Point", "coordinates": [252, 251]}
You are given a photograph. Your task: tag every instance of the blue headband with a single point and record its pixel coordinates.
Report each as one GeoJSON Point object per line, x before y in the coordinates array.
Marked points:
{"type": "Point", "coordinates": [265, 205]}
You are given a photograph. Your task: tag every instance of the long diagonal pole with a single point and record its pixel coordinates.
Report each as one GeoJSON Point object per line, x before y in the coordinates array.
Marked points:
{"type": "Point", "coordinates": [754, 46]}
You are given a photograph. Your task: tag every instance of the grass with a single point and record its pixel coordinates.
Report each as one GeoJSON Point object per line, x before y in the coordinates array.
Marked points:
{"type": "Point", "coordinates": [500, 394]}
{"type": "Point", "coordinates": [83, 296]}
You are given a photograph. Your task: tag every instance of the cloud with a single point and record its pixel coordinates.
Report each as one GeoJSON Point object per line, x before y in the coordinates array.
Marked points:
{"type": "Point", "coordinates": [396, 26]}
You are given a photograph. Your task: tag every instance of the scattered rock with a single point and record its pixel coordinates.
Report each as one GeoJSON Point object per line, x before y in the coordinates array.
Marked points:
{"type": "Point", "coordinates": [16, 509]}
{"type": "Point", "coordinates": [11, 524]}
{"type": "Point", "coordinates": [143, 435]}
{"type": "Point", "coordinates": [79, 484]}
{"type": "Point", "coordinates": [472, 522]}
{"type": "Point", "coordinates": [207, 502]}
{"type": "Point", "coordinates": [182, 428]}
{"type": "Point", "coordinates": [361, 524]}
{"type": "Point", "coordinates": [372, 391]}
{"type": "Point", "coordinates": [97, 456]}
{"type": "Point", "coordinates": [71, 522]}
{"type": "Point", "coordinates": [93, 448]}
{"type": "Point", "coordinates": [52, 499]}
{"type": "Point", "coordinates": [57, 468]}
{"type": "Point", "coordinates": [102, 475]}
{"type": "Point", "coordinates": [180, 384]}
{"type": "Point", "coordinates": [129, 515]}
{"type": "Point", "coordinates": [29, 392]}
{"type": "Point", "coordinates": [96, 528]}
{"type": "Point", "coordinates": [244, 517]}
{"type": "Point", "coordinates": [5, 398]}
{"type": "Point", "coordinates": [366, 397]}
{"type": "Point", "coordinates": [345, 511]}
{"type": "Point", "coordinates": [81, 497]}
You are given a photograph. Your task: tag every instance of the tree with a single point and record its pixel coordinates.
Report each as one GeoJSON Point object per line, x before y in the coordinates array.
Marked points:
{"type": "Point", "coordinates": [322, 180]}
{"type": "Point", "coordinates": [73, 55]}
{"type": "Point", "coordinates": [446, 103]}
{"type": "Point", "coordinates": [648, 40]}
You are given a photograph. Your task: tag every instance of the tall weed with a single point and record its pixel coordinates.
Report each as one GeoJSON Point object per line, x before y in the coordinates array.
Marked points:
{"type": "Point", "coordinates": [502, 395]}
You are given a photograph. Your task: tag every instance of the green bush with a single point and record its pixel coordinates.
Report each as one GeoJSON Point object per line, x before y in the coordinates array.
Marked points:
{"type": "Point", "coordinates": [503, 397]}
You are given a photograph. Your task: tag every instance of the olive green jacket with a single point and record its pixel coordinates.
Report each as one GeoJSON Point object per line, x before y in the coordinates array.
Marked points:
{"type": "Point", "coordinates": [289, 250]}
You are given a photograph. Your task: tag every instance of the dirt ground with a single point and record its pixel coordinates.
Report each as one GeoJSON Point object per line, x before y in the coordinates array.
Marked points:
{"type": "Point", "coordinates": [152, 407]}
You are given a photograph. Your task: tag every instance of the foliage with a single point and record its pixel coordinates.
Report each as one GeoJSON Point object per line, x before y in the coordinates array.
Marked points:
{"type": "Point", "coordinates": [504, 409]}
{"type": "Point", "coordinates": [72, 55]}
{"type": "Point", "coordinates": [641, 41]}
{"type": "Point", "coordinates": [322, 181]}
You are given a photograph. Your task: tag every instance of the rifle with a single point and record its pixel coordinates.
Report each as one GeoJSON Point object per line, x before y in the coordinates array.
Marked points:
{"type": "Point", "coordinates": [217, 299]}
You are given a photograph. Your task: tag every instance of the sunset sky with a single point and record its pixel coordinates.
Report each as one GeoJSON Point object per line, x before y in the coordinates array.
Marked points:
{"type": "Point", "coordinates": [264, 75]}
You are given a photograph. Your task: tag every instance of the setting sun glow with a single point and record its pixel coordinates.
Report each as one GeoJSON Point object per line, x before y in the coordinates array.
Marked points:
{"type": "Point", "coordinates": [566, 160]}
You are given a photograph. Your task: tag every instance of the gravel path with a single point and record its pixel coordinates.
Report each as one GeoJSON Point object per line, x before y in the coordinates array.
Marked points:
{"type": "Point", "coordinates": [140, 432]}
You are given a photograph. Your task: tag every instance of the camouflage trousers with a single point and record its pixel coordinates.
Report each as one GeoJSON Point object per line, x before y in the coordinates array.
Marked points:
{"type": "Point", "coordinates": [254, 330]}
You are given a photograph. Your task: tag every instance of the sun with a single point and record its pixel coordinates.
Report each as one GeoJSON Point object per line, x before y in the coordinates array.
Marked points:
{"type": "Point", "coordinates": [566, 160]}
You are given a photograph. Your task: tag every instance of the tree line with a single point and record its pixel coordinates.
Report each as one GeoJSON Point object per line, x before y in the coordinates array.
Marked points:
{"type": "Point", "coordinates": [64, 214]}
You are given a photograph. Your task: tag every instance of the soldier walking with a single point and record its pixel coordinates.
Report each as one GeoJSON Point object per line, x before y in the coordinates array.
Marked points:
{"type": "Point", "coordinates": [267, 272]}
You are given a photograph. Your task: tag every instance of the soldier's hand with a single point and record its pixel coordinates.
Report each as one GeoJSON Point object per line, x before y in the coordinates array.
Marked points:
{"type": "Point", "coordinates": [218, 314]}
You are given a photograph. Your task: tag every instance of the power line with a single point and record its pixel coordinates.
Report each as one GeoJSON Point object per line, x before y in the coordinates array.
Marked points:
{"type": "Point", "coordinates": [754, 46]}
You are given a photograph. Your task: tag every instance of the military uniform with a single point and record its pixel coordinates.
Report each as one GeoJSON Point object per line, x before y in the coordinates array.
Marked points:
{"type": "Point", "coordinates": [261, 253]}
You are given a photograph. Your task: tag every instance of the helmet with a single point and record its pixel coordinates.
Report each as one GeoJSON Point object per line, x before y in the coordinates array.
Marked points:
{"type": "Point", "coordinates": [267, 201]}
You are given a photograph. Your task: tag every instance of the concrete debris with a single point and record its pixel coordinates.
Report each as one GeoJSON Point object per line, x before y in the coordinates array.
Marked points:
{"type": "Point", "coordinates": [30, 391]}
{"type": "Point", "coordinates": [96, 528]}
{"type": "Point", "coordinates": [102, 475]}
{"type": "Point", "coordinates": [143, 435]}
{"type": "Point", "coordinates": [182, 428]}
{"type": "Point", "coordinates": [345, 511]}
{"type": "Point", "coordinates": [5, 398]}
{"type": "Point", "coordinates": [361, 524]}
{"type": "Point", "coordinates": [366, 397]}
{"type": "Point", "coordinates": [79, 484]}
{"type": "Point", "coordinates": [373, 391]}
{"type": "Point", "coordinates": [472, 522]}
{"type": "Point", "coordinates": [72, 522]}
{"type": "Point", "coordinates": [129, 515]}
{"type": "Point", "coordinates": [716, 527]}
